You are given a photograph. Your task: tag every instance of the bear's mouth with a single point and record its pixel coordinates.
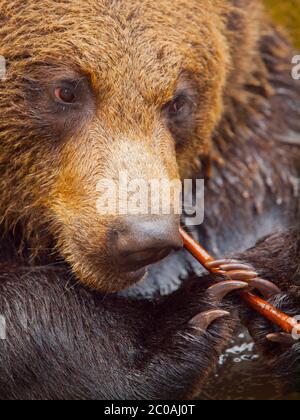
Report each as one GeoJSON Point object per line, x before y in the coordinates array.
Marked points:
{"type": "Point", "coordinates": [134, 277]}
{"type": "Point", "coordinates": [139, 261]}
{"type": "Point", "coordinates": [135, 270]}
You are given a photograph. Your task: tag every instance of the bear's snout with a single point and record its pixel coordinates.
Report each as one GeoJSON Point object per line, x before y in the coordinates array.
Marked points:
{"type": "Point", "coordinates": [141, 241]}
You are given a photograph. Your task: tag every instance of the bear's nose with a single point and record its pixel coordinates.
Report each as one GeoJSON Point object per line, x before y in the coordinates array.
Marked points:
{"type": "Point", "coordinates": [144, 241]}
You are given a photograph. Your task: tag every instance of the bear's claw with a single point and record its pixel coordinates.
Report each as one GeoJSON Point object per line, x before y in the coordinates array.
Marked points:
{"type": "Point", "coordinates": [265, 287]}
{"type": "Point", "coordinates": [236, 270]}
{"type": "Point", "coordinates": [218, 291]}
{"type": "Point", "coordinates": [202, 321]}
{"type": "Point", "coordinates": [281, 338]}
{"type": "Point", "coordinates": [245, 275]}
{"type": "Point", "coordinates": [233, 269]}
{"type": "Point", "coordinates": [219, 263]}
{"type": "Point", "coordinates": [236, 266]}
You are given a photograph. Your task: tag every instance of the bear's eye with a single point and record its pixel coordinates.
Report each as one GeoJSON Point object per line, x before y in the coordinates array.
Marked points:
{"type": "Point", "coordinates": [177, 106]}
{"type": "Point", "coordinates": [65, 94]}
{"type": "Point", "coordinates": [180, 115]}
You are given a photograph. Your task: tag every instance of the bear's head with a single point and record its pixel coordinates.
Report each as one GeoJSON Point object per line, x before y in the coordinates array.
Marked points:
{"type": "Point", "coordinates": [99, 88]}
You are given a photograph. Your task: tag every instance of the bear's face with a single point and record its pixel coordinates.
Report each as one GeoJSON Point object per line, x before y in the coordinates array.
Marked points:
{"type": "Point", "coordinates": [95, 89]}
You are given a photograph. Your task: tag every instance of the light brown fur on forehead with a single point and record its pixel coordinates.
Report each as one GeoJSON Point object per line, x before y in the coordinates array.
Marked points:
{"type": "Point", "coordinates": [139, 45]}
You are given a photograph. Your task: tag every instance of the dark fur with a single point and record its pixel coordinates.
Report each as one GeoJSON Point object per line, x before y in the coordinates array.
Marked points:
{"type": "Point", "coordinates": [68, 343]}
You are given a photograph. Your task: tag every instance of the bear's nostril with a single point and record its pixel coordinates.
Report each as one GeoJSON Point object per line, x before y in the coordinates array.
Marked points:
{"type": "Point", "coordinates": [144, 242]}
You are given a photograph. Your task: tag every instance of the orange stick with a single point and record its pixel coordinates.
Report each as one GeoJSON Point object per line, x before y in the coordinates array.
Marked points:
{"type": "Point", "coordinates": [287, 323]}
{"type": "Point", "coordinates": [196, 249]}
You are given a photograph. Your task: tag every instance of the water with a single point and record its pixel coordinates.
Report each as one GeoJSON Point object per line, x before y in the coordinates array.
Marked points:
{"type": "Point", "coordinates": [241, 375]}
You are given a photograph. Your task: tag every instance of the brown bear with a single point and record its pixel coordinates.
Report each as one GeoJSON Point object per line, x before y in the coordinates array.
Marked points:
{"type": "Point", "coordinates": [162, 90]}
